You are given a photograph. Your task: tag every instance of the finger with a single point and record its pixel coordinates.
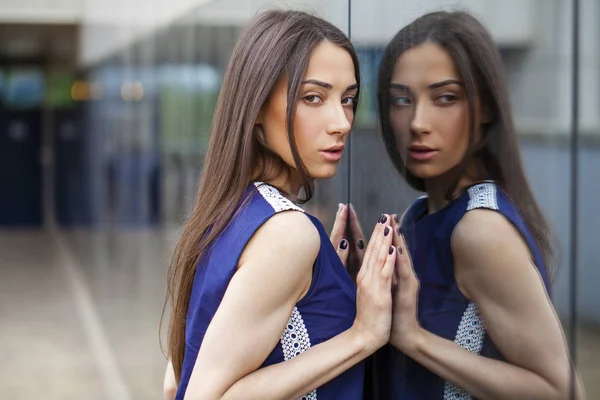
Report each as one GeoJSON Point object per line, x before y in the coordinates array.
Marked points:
{"type": "Point", "coordinates": [387, 272]}
{"type": "Point", "coordinates": [371, 249]}
{"type": "Point", "coordinates": [376, 238]}
{"type": "Point", "coordinates": [360, 247]}
{"type": "Point", "coordinates": [404, 263]}
{"type": "Point", "coordinates": [408, 283]}
{"type": "Point", "coordinates": [397, 231]}
{"type": "Point", "coordinates": [395, 222]}
{"type": "Point", "coordinates": [381, 244]}
{"type": "Point", "coordinates": [398, 271]}
{"type": "Point", "coordinates": [401, 270]}
{"type": "Point", "coordinates": [394, 266]}
{"type": "Point", "coordinates": [355, 223]}
{"type": "Point", "coordinates": [343, 251]}
{"type": "Point", "coordinates": [357, 234]}
{"type": "Point", "coordinates": [360, 250]}
{"type": "Point", "coordinates": [339, 225]}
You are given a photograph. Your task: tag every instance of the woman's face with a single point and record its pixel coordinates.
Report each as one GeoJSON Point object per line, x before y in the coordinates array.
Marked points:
{"type": "Point", "coordinates": [429, 111]}
{"type": "Point", "coordinates": [323, 116]}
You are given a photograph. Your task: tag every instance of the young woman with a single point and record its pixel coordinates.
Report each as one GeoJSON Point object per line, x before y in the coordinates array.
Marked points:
{"type": "Point", "coordinates": [263, 307]}
{"type": "Point", "coordinates": [474, 317]}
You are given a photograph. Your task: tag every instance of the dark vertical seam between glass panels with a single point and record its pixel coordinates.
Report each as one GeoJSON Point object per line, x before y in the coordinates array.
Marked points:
{"type": "Point", "coordinates": [348, 191]}
{"type": "Point", "coordinates": [574, 194]}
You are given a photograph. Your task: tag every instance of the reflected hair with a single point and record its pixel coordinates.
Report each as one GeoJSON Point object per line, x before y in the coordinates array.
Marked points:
{"type": "Point", "coordinates": [275, 45]}
{"type": "Point", "coordinates": [497, 155]}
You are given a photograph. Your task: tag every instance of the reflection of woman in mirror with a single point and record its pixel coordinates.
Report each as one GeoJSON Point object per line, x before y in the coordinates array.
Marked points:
{"type": "Point", "coordinates": [262, 306]}
{"type": "Point", "coordinates": [472, 311]}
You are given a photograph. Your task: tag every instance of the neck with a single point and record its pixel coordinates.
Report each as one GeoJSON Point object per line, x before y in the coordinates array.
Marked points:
{"type": "Point", "coordinates": [436, 196]}
{"type": "Point", "coordinates": [287, 179]}
{"type": "Point", "coordinates": [289, 182]}
{"type": "Point", "coordinates": [437, 188]}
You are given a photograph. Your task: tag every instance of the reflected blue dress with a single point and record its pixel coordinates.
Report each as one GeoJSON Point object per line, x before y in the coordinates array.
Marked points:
{"type": "Point", "coordinates": [442, 308]}
{"type": "Point", "coordinates": [327, 309]}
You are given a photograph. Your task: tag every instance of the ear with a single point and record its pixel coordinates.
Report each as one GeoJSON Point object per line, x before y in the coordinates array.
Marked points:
{"type": "Point", "coordinates": [260, 133]}
{"type": "Point", "coordinates": [258, 127]}
{"type": "Point", "coordinates": [259, 117]}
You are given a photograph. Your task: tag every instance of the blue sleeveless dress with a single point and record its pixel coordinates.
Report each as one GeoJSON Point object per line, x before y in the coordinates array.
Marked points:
{"type": "Point", "coordinates": [442, 308]}
{"type": "Point", "coordinates": [327, 309]}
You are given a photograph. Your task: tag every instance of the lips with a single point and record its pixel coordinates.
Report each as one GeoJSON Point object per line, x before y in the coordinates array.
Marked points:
{"type": "Point", "coordinates": [333, 153]}
{"type": "Point", "coordinates": [337, 147]}
{"type": "Point", "coordinates": [421, 152]}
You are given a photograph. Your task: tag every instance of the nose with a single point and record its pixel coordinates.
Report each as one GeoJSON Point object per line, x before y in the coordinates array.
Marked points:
{"type": "Point", "coordinates": [420, 121]}
{"type": "Point", "coordinates": [339, 122]}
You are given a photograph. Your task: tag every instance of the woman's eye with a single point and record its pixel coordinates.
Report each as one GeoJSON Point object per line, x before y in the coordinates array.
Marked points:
{"type": "Point", "coordinates": [312, 98]}
{"type": "Point", "coordinates": [349, 101]}
{"type": "Point", "coordinates": [401, 101]}
{"type": "Point", "coordinates": [447, 98]}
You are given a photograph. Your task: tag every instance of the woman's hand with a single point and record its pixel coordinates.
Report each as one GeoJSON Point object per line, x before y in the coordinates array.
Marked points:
{"type": "Point", "coordinates": [374, 283]}
{"type": "Point", "coordinates": [346, 216]}
{"type": "Point", "coordinates": [406, 330]}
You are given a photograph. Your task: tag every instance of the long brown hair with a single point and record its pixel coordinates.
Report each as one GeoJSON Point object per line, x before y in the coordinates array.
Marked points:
{"type": "Point", "coordinates": [478, 61]}
{"type": "Point", "coordinates": [273, 45]}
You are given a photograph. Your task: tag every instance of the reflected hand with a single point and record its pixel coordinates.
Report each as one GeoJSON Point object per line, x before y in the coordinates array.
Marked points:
{"type": "Point", "coordinates": [346, 215]}
{"type": "Point", "coordinates": [338, 233]}
{"type": "Point", "coordinates": [358, 238]}
{"type": "Point", "coordinates": [405, 292]}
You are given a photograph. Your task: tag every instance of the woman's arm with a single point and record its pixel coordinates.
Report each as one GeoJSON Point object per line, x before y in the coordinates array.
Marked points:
{"type": "Point", "coordinates": [275, 271]}
{"type": "Point", "coordinates": [493, 268]}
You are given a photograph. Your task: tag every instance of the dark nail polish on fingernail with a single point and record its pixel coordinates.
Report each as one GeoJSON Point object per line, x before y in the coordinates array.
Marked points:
{"type": "Point", "coordinates": [398, 231]}
{"type": "Point", "coordinates": [391, 249]}
{"type": "Point", "coordinates": [344, 244]}
{"type": "Point", "coordinates": [384, 218]}
{"type": "Point", "coordinates": [396, 218]}
{"type": "Point", "coordinates": [399, 249]}
{"type": "Point", "coordinates": [386, 231]}
{"type": "Point", "coordinates": [360, 244]}
{"type": "Point", "coordinates": [380, 219]}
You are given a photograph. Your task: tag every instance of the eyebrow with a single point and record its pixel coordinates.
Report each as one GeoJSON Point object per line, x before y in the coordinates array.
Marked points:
{"type": "Point", "coordinates": [445, 83]}
{"type": "Point", "coordinates": [435, 85]}
{"type": "Point", "coordinates": [326, 85]}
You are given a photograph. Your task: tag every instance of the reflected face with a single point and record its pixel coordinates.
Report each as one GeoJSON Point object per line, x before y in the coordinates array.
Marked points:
{"type": "Point", "coordinates": [323, 116]}
{"type": "Point", "coordinates": [429, 111]}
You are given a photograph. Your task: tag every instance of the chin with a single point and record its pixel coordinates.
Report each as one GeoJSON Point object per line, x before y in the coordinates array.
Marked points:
{"type": "Point", "coordinates": [423, 171]}
{"type": "Point", "coordinates": [323, 172]}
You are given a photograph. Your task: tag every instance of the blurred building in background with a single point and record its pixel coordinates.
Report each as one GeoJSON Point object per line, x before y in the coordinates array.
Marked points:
{"type": "Point", "coordinates": [105, 111]}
